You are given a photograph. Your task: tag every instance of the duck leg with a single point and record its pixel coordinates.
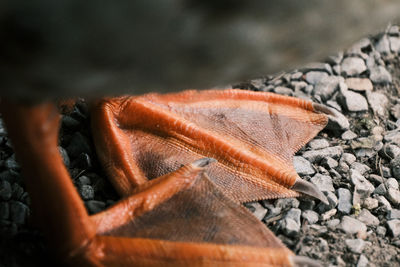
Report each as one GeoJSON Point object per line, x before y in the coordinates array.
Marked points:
{"type": "Point", "coordinates": [131, 232]}
{"type": "Point", "coordinates": [34, 133]}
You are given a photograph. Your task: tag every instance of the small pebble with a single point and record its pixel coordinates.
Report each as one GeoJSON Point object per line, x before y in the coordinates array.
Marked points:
{"type": "Point", "coordinates": [366, 217]}
{"type": "Point", "coordinates": [370, 203]}
{"type": "Point", "coordinates": [352, 226]}
{"type": "Point", "coordinates": [259, 211]}
{"type": "Point", "coordinates": [379, 74]}
{"type": "Point", "coordinates": [352, 66]}
{"type": "Point", "coordinates": [18, 212]}
{"type": "Point", "coordinates": [362, 261]}
{"type": "Point", "coordinates": [323, 182]}
{"type": "Point", "coordinates": [393, 214]}
{"type": "Point", "coordinates": [327, 215]}
{"type": "Point", "coordinates": [349, 135]}
{"type": "Point", "coordinates": [4, 210]}
{"type": "Point", "coordinates": [394, 227]}
{"type": "Point", "coordinates": [302, 166]}
{"type": "Point", "coordinates": [344, 205]}
{"type": "Point", "coordinates": [355, 245]}
{"type": "Point", "coordinates": [318, 144]}
{"type": "Point", "coordinates": [5, 190]}
{"type": "Point", "coordinates": [317, 155]}
{"type": "Point", "coordinates": [310, 216]}
{"type": "Point", "coordinates": [86, 192]}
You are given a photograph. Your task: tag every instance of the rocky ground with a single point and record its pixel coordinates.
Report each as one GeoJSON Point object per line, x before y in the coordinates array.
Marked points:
{"type": "Point", "coordinates": [355, 161]}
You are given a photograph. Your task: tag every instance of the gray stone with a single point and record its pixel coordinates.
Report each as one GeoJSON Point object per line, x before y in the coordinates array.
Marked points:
{"type": "Point", "coordinates": [395, 167]}
{"type": "Point", "coordinates": [362, 142]}
{"type": "Point", "coordinates": [311, 216]}
{"type": "Point", "coordinates": [334, 104]}
{"type": "Point", "coordinates": [259, 211]}
{"type": "Point", "coordinates": [69, 122]}
{"type": "Point", "coordinates": [383, 45]}
{"type": "Point", "coordinates": [332, 224]}
{"type": "Point", "coordinates": [273, 212]}
{"type": "Point", "coordinates": [356, 48]}
{"type": "Point", "coordinates": [365, 153]}
{"type": "Point", "coordinates": [352, 226]}
{"type": "Point", "coordinates": [386, 172]}
{"type": "Point", "coordinates": [4, 210]}
{"type": "Point", "coordinates": [323, 182]}
{"type": "Point", "coordinates": [290, 227]}
{"type": "Point", "coordinates": [329, 163]}
{"type": "Point", "coordinates": [318, 143]}
{"type": "Point", "coordinates": [361, 168]}
{"type": "Point", "coordinates": [283, 90]}
{"type": "Point", "coordinates": [327, 86]}
{"type": "Point", "coordinates": [392, 137]}
{"type": "Point", "coordinates": [349, 135]}
{"type": "Point", "coordinates": [313, 77]}
{"type": "Point", "coordinates": [352, 101]}
{"type": "Point", "coordinates": [359, 84]}
{"type": "Point", "coordinates": [78, 144]}
{"type": "Point", "coordinates": [384, 203]}
{"type": "Point", "coordinates": [327, 215]}
{"type": "Point", "coordinates": [296, 76]}
{"type": "Point", "coordinates": [287, 203]}
{"type": "Point", "coordinates": [332, 202]}
{"type": "Point", "coordinates": [352, 66]}
{"type": "Point", "coordinates": [380, 190]}
{"type": "Point", "coordinates": [64, 156]}
{"type": "Point", "coordinates": [317, 155]}
{"type": "Point", "coordinates": [362, 261]}
{"type": "Point", "coordinates": [393, 195]}
{"type": "Point", "coordinates": [378, 102]}
{"type": "Point", "coordinates": [376, 179]}
{"type": "Point", "coordinates": [343, 168]}
{"type": "Point", "coordinates": [302, 166]}
{"type": "Point", "coordinates": [18, 212]}
{"type": "Point", "coordinates": [394, 44]}
{"type": "Point", "coordinates": [12, 164]}
{"type": "Point", "coordinates": [17, 191]}
{"type": "Point", "coordinates": [355, 245]}
{"type": "Point", "coordinates": [370, 203]}
{"type": "Point", "coordinates": [366, 217]}
{"type": "Point", "coordinates": [362, 185]}
{"type": "Point", "coordinates": [395, 111]}
{"type": "Point", "coordinates": [294, 214]}
{"type": "Point", "coordinates": [338, 122]}
{"type": "Point", "coordinates": [83, 180]}
{"type": "Point", "coordinates": [392, 183]}
{"type": "Point", "coordinates": [393, 214]}
{"type": "Point", "coordinates": [86, 192]}
{"type": "Point", "coordinates": [390, 151]}
{"type": "Point", "coordinates": [344, 205]}
{"type": "Point", "coordinates": [381, 230]}
{"type": "Point", "coordinates": [317, 66]}
{"type": "Point", "coordinates": [394, 227]}
{"type": "Point", "coordinates": [5, 190]}
{"type": "Point", "coordinates": [379, 74]}
{"type": "Point", "coordinates": [348, 158]}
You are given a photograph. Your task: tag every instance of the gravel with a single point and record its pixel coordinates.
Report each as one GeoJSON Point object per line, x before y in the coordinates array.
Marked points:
{"type": "Point", "coordinates": [355, 161]}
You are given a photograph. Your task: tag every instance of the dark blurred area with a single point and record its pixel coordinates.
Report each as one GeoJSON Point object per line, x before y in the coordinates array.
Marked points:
{"type": "Point", "coordinates": [94, 48]}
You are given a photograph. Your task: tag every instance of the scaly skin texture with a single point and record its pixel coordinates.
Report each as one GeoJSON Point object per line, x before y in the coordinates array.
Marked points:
{"type": "Point", "coordinates": [180, 207]}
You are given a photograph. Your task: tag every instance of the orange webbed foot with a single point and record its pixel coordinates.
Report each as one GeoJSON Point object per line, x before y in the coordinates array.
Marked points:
{"type": "Point", "coordinates": [163, 138]}
{"type": "Point", "coordinates": [253, 136]}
